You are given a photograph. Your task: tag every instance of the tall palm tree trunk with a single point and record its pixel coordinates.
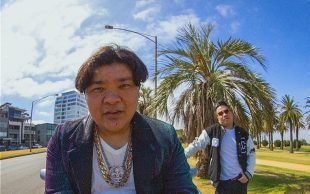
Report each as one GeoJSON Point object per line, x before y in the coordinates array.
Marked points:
{"type": "Point", "coordinates": [282, 134]}
{"type": "Point", "coordinates": [271, 140]}
{"type": "Point", "coordinates": [297, 146]}
{"type": "Point", "coordinates": [202, 164]}
{"type": "Point", "coordinates": [258, 141]}
{"type": "Point", "coordinates": [291, 137]}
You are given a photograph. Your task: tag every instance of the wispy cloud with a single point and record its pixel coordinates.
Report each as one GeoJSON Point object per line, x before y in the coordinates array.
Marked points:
{"type": "Point", "coordinates": [147, 14]}
{"type": "Point", "coordinates": [234, 26]}
{"type": "Point", "coordinates": [143, 3]}
{"type": "Point", "coordinates": [210, 20]}
{"type": "Point", "coordinates": [36, 122]}
{"type": "Point", "coordinates": [225, 10]}
{"type": "Point", "coordinates": [45, 114]}
{"type": "Point", "coordinates": [47, 102]}
{"type": "Point", "coordinates": [169, 28]}
{"type": "Point", "coordinates": [27, 87]}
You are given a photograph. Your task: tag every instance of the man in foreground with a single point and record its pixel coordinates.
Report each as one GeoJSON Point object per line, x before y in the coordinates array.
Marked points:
{"type": "Point", "coordinates": [231, 153]}
{"type": "Point", "coordinates": [115, 149]}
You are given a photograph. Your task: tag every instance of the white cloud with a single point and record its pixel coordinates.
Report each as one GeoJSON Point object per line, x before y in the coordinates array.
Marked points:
{"type": "Point", "coordinates": [225, 10]}
{"type": "Point", "coordinates": [37, 36]}
{"type": "Point", "coordinates": [168, 29]}
{"type": "Point", "coordinates": [149, 84]}
{"type": "Point", "coordinates": [36, 122]}
{"type": "Point", "coordinates": [143, 3]}
{"type": "Point", "coordinates": [210, 20]}
{"type": "Point", "coordinates": [147, 14]}
{"type": "Point", "coordinates": [48, 102]}
{"type": "Point", "coordinates": [234, 26]}
{"type": "Point", "coordinates": [45, 114]}
{"type": "Point", "coordinates": [27, 87]}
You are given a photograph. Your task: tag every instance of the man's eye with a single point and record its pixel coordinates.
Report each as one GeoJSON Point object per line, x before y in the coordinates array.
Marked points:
{"type": "Point", "coordinates": [125, 85]}
{"type": "Point", "coordinates": [96, 90]}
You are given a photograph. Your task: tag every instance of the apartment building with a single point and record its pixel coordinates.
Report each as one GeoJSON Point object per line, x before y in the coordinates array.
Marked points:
{"type": "Point", "coordinates": [69, 106]}
{"type": "Point", "coordinates": [14, 124]}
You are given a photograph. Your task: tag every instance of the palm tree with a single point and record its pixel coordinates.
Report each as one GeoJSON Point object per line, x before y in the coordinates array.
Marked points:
{"type": "Point", "coordinates": [269, 123]}
{"type": "Point", "coordinates": [280, 126]}
{"type": "Point", "coordinates": [308, 112]}
{"type": "Point", "coordinates": [203, 72]}
{"type": "Point", "coordinates": [145, 100]}
{"type": "Point", "coordinates": [256, 133]}
{"type": "Point", "coordinates": [290, 112]}
{"type": "Point", "coordinates": [298, 123]}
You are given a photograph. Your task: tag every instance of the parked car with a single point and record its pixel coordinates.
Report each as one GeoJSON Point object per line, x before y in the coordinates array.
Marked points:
{"type": "Point", "coordinates": [37, 146]}
{"type": "Point", "coordinates": [12, 147]}
{"type": "Point", "coordinates": [23, 147]}
{"type": "Point", "coordinates": [2, 148]}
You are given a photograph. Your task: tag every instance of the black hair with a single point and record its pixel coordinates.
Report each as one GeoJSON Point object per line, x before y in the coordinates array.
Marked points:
{"type": "Point", "coordinates": [221, 103]}
{"type": "Point", "coordinates": [108, 55]}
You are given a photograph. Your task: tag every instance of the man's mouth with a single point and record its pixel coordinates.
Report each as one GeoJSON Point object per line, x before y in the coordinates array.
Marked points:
{"type": "Point", "coordinates": [112, 113]}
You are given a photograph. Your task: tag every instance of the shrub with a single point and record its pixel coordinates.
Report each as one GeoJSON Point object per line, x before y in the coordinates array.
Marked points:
{"type": "Point", "coordinates": [255, 142]}
{"type": "Point", "coordinates": [299, 143]}
{"type": "Point", "coordinates": [304, 142]}
{"type": "Point", "coordinates": [277, 143]}
{"type": "Point", "coordinates": [286, 143]}
{"type": "Point", "coordinates": [264, 143]}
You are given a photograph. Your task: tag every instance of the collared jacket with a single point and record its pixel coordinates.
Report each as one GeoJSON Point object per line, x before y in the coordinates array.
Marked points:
{"type": "Point", "coordinates": [159, 163]}
{"type": "Point", "coordinates": [211, 138]}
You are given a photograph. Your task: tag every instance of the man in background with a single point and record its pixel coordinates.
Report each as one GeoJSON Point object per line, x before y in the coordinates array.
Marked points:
{"type": "Point", "coordinates": [231, 152]}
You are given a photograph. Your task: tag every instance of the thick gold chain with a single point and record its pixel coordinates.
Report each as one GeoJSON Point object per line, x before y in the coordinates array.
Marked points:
{"type": "Point", "coordinates": [103, 167]}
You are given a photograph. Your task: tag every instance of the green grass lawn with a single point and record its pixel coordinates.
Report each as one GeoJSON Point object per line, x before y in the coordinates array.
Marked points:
{"type": "Point", "coordinates": [305, 149]}
{"type": "Point", "coordinates": [283, 156]}
{"type": "Point", "coordinates": [302, 148]}
{"type": "Point", "coordinates": [277, 180]}
{"type": "Point", "coordinates": [270, 179]}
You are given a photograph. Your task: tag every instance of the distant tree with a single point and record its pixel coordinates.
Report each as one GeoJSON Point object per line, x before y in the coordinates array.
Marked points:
{"type": "Point", "coordinates": [297, 143]}
{"type": "Point", "coordinates": [286, 143]}
{"type": "Point", "coordinates": [270, 121]}
{"type": "Point", "coordinates": [289, 113]}
{"type": "Point", "coordinates": [308, 112]}
{"type": "Point", "coordinates": [298, 123]}
{"type": "Point", "coordinates": [264, 143]}
{"type": "Point", "coordinates": [277, 143]}
{"type": "Point", "coordinates": [281, 128]}
{"type": "Point", "coordinates": [304, 142]}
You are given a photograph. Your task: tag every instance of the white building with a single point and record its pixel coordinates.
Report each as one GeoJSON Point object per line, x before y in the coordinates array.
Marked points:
{"type": "Point", "coordinates": [69, 106]}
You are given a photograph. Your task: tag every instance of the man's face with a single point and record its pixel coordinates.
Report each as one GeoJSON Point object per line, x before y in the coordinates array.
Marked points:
{"type": "Point", "coordinates": [224, 116]}
{"type": "Point", "coordinates": [112, 98]}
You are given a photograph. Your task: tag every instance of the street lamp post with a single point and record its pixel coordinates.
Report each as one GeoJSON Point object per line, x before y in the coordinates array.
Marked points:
{"type": "Point", "coordinates": [32, 105]}
{"type": "Point", "coordinates": [147, 36]}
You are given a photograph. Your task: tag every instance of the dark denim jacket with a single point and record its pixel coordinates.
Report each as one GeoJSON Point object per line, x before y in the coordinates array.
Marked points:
{"type": "Point", "coordinates": [159, 163]}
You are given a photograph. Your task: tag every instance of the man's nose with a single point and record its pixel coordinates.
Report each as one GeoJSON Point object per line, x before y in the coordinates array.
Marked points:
{"type": "Point", "coordinates": [111, 97]}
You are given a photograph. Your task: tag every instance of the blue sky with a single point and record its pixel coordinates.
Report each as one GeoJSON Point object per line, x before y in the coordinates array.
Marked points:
{"type": "Point", "coordinates": [43, 42]}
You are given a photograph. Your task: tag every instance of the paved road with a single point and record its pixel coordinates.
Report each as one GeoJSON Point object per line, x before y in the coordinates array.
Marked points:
{"type": "Point", "coordinates": [291, 166]}
{"type": "Point", "coordinates": [20, 175]}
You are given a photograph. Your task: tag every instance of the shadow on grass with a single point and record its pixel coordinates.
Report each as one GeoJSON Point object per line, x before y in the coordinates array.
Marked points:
{"type": "Point", "coordinates": [266, 181]}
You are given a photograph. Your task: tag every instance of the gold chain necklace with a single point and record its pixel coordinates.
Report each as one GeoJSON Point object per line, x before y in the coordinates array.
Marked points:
{"type": "Point", "coordinates": [105, 170]}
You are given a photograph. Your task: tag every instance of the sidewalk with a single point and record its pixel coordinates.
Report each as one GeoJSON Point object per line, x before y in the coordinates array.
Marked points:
{"type": "Point", "coordinates": [291, 166]}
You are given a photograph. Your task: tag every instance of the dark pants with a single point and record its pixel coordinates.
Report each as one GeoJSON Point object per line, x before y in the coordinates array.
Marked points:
{"type": "Point", "coordinates": [231, 187]}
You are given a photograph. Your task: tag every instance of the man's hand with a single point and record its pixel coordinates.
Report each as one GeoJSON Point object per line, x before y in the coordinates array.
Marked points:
{"type": "Point", "coordinates": [243, 178]}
